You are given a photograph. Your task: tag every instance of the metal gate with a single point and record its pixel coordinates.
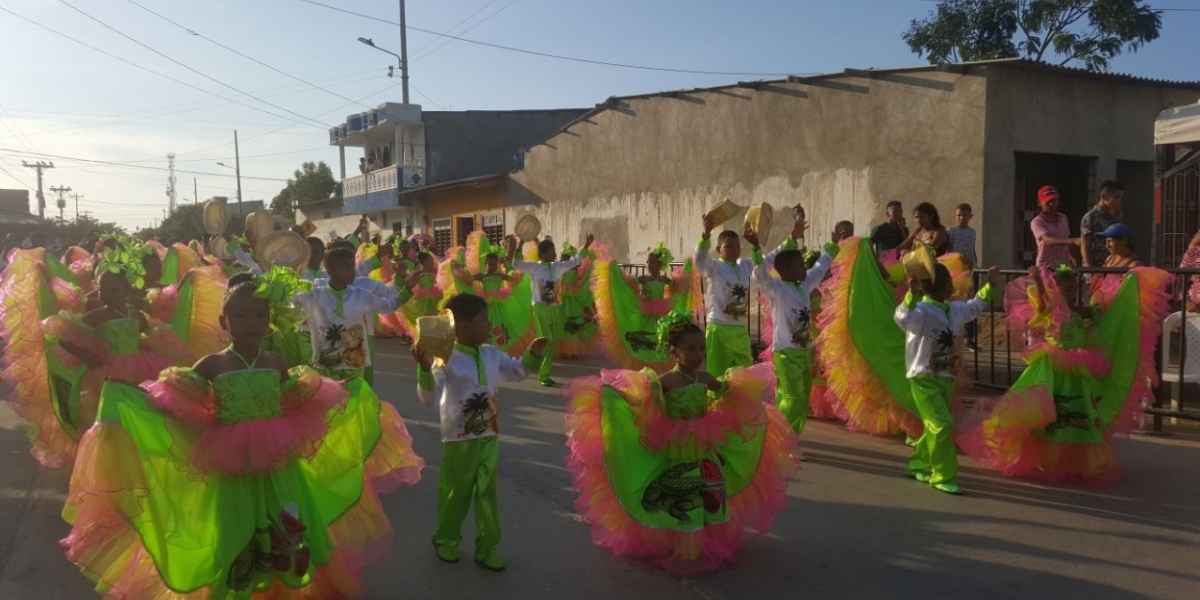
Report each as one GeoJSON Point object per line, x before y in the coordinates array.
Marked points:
{"type": "Point", "coordinates": [1180, 189]}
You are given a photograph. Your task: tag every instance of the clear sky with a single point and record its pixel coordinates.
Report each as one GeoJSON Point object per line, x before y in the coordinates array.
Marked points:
{"type": "Point", "coordinates": [59, 97]}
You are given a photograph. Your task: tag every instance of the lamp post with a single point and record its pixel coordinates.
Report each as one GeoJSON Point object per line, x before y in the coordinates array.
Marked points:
{"type": "Point", "coordinates": [403, 60]}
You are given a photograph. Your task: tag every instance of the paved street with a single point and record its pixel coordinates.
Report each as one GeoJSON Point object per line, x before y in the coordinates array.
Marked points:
{"type": "Point", "coordinates": [855, 527]}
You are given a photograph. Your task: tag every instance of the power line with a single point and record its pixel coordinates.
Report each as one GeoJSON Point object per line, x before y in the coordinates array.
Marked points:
{"type": "Point", "coordinates": [445, 42]}
{"type": "Point", "coordinates": [138, 66]}
{"type": "Point", "coordinates": [131, 166]}
{"type": "Point", "coordinates": [547, 54]}
{"type": "Point", "coordinates": [456, 26]}
{"type": "Point", "coordinates": [185, 66]}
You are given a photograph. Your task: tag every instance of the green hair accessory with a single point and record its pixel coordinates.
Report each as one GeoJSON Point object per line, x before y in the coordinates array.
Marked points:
{"type": "Point", "coordinates": [568, 250]}
{"type": "Point", "coordinates": [278, 286]}
{"type": "Point", "coordinates": [664, 255]}
{"type": "Point", "coordinates": [670, 323]}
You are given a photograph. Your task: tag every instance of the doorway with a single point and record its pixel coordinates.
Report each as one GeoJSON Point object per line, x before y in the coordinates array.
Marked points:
{"type": "Point", "coordinates": [463, 226]}
{"type": "Point", "coordinates": [1074, 176]}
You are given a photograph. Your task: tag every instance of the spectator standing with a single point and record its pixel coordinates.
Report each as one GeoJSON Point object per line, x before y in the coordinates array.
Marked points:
{"type": "Point", "coordinates": [1105, 214]}
{"type": "Point", "coordinates": [962, 236]}
{"type": "Point", "coordinates": [1052, 231]}
{"type": "Point", "coordinates": [890, 234]}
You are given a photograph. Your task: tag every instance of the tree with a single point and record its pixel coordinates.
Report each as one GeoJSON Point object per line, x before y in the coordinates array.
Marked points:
{"type": "Point", "coordinates": [1091, 32]}
{"type": "Point", "coordinates": [312, 182]}
{"type": "Point", "coordinates": [183, 225]}
{"type": "Point", "coordinates": [72, 232]}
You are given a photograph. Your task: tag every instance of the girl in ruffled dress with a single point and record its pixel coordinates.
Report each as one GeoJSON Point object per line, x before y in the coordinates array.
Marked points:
{"type": "Point", "coordinates": [237, 477]}
{"type": "Point", "coordinates": [675, 468]}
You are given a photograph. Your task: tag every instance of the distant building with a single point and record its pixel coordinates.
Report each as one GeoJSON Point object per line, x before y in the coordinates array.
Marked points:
{"type": "Point", "coordinates": [405, 150]}
{"type": "Point", "coordinates": [15, 201]}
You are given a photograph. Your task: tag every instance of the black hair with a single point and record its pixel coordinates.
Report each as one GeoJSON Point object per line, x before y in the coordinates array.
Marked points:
{"type": "Point", "coordinates": [941, 276]}
{"type": "Point", "coordinates": [678, 330]}
{"type": "Point", "coordinates": [1110, 186]}
{"type": "Point", "coordinates": [728, 233]}
{"type": "Point", "coordinates": [788, 257]}
{"type": "Point", "coordinates": [151, 257]}
{"type": "Point", "coordinates": [339, 253]}
{"type": "Point", "coordinates": [849, 224]}
{"type": "Point", "coordinates": [111, 274]}
{"type": "Point", "coordinates": [337, 244]}
{"type": "Point", "coordinates": [800, 211]}
{"type": "Point", "coordinates": [546, 245]}
{"type": "Point", "coordinates": [244, 287]}
{"type": "Point", "coordinates": [895, 203]}
{"type": "Point", "coordinates": [240, 278]}
{"type": "Point", "coordinates": [465, 307]}
{"type": "Point", "coordinates": [964, 206]}
{"type": "Point", "coordinates": [315, 241]}
{"type": "Point", "coordinates": [423, 256]}
{"type": "Point", "coordinates": [926, 208]}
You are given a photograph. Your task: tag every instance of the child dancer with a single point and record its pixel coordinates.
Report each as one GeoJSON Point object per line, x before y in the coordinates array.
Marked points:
{"type": "Point", "coordinates": [727, 282]}
{"type": "Point", "coordinates": [467, 388]}
{"type": "Point", "coordinates": [236, 477]}
{"type": "Point", "coordinates": [425, 295]}
{"type": "Point", "coordinates": [1058, 420]}
{"type": "Point", "coordinates": [789, 296]}
{"type": "Point", "coordinates": [629, 309]}
{"type": "Point", "coordinates": [507, 293]}
{"type": "Point", "coordinates": [674, 469]}
{"type": "Point", "coordinates": [931, 326]}
{"type": "Point", "coordinates": [580, 331]}
{"type": "Point", "coordinates": [338, 313]}
{"type": "Point", "coordinates": [544, 276]}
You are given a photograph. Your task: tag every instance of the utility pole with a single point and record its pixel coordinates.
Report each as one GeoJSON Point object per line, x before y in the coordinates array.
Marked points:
{"type": "Point", "coordinates": [77, 197]}
{"type": "Point", "coordinates": [40, 166]}
{"type": "Point", "coordinates": [171, 195]}
{"type": "Point", "coordinates": [403, 53]}
{"type": "Point", "coordinates": [237, 163]}
{"type": "Point", "coordinates": [62, 203]}
{"type": "Point", "coordinates": [195, 192]}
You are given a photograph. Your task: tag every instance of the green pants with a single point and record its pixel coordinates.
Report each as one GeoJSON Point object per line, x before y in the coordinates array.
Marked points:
{"type": "Point", "coordinates": [727, 346]}
{"type": "Point", "coordinates": [548, 320]}
{"type": "Point", "coordinates": [934, 451]}
{"type": "Point", "coordinates": [793, 371]}
{"type": "Point", "coordinates": [468, 473]}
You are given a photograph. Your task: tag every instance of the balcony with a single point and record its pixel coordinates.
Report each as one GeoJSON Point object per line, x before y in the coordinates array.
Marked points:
{"type": "Point", "coordinates": [379, 189]}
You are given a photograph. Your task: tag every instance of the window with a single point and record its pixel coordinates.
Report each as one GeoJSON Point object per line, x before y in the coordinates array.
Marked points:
{"type": "Point", "coordinates": [442, 234]}
{"type": "Point", "coordinates": [493, 226]}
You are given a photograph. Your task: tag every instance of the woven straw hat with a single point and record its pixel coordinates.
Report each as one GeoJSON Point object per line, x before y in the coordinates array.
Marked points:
{"type": "Point", "coordinates": [723, 211]}
{"type": "Point", "coordinates": [918, 264]}
{"type": "Point", "coordinates": [258, 224]}
{"type": "Point", "coordinates": [758, 219]}
{"type": "Point", "coordinates": [216, 217]}
{"type": "Point", "coordinates": [435, 335]}
{"type": "Point", "coordinates": [218, 248]}
{"type": "Point", "coordinates": [528, 227]}
{"type": "Point", "coordinates": [282, 248]}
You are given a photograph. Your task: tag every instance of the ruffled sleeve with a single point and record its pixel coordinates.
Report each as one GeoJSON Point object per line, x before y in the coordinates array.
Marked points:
{"type": "Point", "coordinates": [69, 327]}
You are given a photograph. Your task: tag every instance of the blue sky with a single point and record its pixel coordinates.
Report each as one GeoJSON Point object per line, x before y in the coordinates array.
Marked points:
{"type": "Point", "coordinates": [58, 97]}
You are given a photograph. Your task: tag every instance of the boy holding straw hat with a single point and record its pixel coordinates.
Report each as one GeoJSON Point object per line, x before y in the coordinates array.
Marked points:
{"type": "Point", "coordinates": [726, 297]}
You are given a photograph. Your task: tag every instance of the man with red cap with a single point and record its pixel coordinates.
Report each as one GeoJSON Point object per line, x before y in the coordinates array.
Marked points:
{"type": "Point", "coordinates": [1052, 231]}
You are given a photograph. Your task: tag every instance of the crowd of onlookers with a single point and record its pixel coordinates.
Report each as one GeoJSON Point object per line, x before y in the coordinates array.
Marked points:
{"type": "Point", "coordinates": [376, 159]}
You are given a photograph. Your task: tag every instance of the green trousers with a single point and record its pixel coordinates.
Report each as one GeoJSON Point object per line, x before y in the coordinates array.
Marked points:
{"type": "Point", "coordinates": [468, 473]}
{"type": "Point", "coordinates": [934, 451]}
{"type": "Point", "coordinates": [727, 346]}
{"type": "Point", "coordinates": [548, 320]}
{"type": "Point", "coordinates": [793, 372]}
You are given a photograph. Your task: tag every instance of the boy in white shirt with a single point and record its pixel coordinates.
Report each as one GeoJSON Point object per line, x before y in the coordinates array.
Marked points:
{"type": "Point", "coordinates": [791, 317]}
{"type": "Point", "coordinates": [931, 356]}
{"type": "Point", "coordinates": [466, 387]}
{"type": "Point", "coordinates": [726, 298]}
{"type": "Point", "coordinates": [544, 276]}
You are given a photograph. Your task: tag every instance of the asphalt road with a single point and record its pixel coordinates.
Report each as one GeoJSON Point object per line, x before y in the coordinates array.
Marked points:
{"type": "Point", "coordinates": [854, 527]}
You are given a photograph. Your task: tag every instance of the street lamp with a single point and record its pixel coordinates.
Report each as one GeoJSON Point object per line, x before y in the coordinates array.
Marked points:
{"type": "Point", "coordinates": [238, 171]}
{"type": "Point", "coordinates": [399, 59]}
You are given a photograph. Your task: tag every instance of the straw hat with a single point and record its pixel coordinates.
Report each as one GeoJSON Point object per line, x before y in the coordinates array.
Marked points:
{"type": "Point", "coordinates": [216, 217]}
{"type": "Point", "coordinates": [218, 247]}
{"type": "Point", "coordinates": [723, 211]}
{"type": "Point", "coordinates": [528, 227]}
{"type": "Point", "coordinates": [758, 219]}
{"type": "Point", "coordinates": [308, 227]}
{"type": "Point", "coordinates": [918, 264]}
{"type": "Point", "coordinates": [282, 248]}
{"type": "Point", "coordinates": [258, 224]}
{"type": "Point", "coordinates": [435, 335]}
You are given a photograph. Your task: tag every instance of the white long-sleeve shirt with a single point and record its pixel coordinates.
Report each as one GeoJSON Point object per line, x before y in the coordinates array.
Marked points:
{"type": "Point", "coordinates": [467, 390]}
{"type": "Point", "coordinates": [545, 277]}
{"type": "Point", "coordinates": [341, 330]}
{"type": "Point", "coordinates": [727, 286]}
{"type": "Point", "coordinates": [931, 329]}
{"type": "Point", "coordinates": [247, 260]}
{"type": "Point", "coordinates": [791, 310]}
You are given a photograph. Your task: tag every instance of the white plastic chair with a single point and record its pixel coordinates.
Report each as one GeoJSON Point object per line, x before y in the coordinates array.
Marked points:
{"type": "Point", "coordinates": [1191, 337]}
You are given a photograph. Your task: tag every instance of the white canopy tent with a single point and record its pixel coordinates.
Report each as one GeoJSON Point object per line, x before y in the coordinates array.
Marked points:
{"type": "Point", "coordinates": [1179, 125]}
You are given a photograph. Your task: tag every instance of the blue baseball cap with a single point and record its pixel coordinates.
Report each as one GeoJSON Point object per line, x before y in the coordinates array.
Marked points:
{"type": "Point", "coordinates": [1116, 230]}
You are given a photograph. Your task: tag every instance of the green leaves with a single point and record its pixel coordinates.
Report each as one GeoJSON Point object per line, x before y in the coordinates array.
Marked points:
{"type": "Point", "coordinates": [1091, 32]}
{"type": "Point", "coordinates": [278, 287]}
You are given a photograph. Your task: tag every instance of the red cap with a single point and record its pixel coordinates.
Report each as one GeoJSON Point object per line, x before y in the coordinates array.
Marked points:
{"type": "Point", "coordinates": [1047, 193]}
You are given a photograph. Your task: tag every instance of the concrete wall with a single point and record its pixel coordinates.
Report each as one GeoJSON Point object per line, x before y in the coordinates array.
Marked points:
{"type": "Point", "coordinates": [462, 144]}
{"type": "Point", "coordinates": [1031, 110]}
{"type": "Point", "coordinates": [645, 171]}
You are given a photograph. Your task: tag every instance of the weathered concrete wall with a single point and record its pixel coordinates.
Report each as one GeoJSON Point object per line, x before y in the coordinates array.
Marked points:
{"type": "Point", "coordinates": [648, 168]}
{"type": "Point", "coordinates": [1043, 112]}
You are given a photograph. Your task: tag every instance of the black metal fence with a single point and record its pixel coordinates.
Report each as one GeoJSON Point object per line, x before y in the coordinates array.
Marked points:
{"type": "Point", "coordinates": [996, 362]}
